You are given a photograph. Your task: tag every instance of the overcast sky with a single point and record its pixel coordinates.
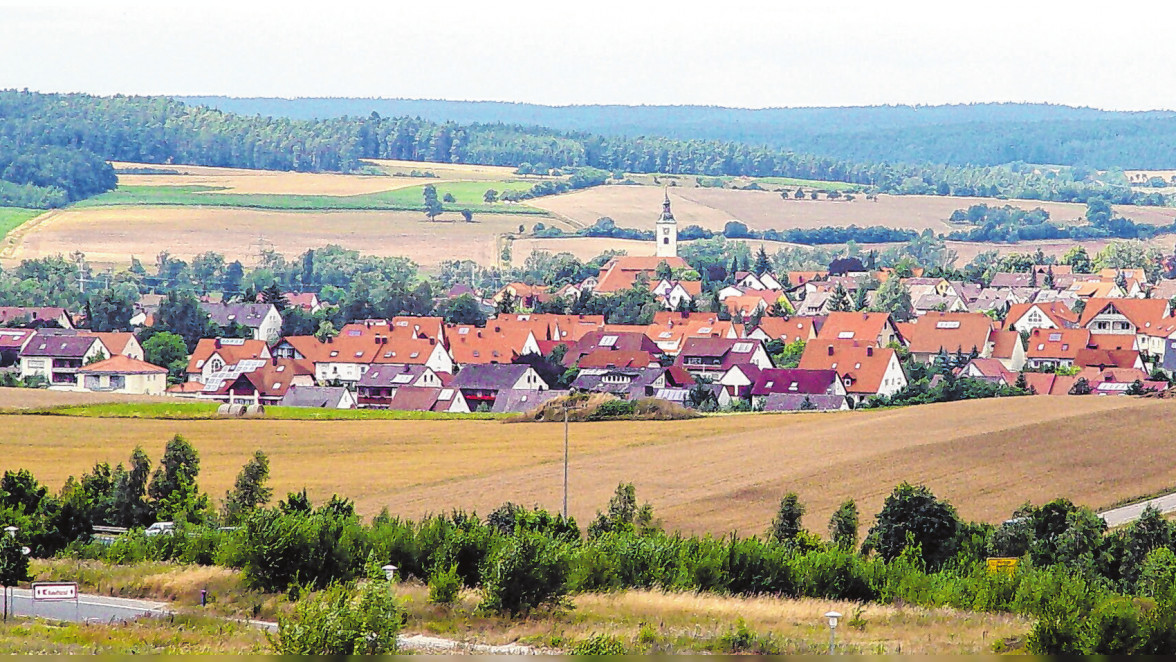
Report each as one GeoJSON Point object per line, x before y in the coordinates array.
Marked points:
{"type": "Point", "coordinates": [749, 54]}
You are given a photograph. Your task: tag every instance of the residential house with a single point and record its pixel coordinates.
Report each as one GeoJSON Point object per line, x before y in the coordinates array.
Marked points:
{"type": "Point", "coordinates": [427, 398]}
{"type": "Point", "coordinates": [1147, 319]}
{"type": "Point", "coordinates": [865, 370]}
{"type": "Point", "coordinates": [794, 381]}
{"type": "Point", "coordinates": [619, 273]}
{"type": "Point", "coordinates": [12, 341]}
{"type": "Point", "coordinates": [481, 383]}
{"type": "Point", "coordinates": [496, 343]}
{"type": "Point", "coordinates": [938, 333]}
{"type": "Point", "coordinates": [1055, 348]}
{"type": "Point", "coordinates": [35, 317]}
{"type": "Point", "coordinates": [674, 294]}
{"type": "Point", "coordinates": [212, 355]}
{"type": "Point", "coordinates": [263, 319]}
{"type": "Point", "coordinates": [863, 327]}
{"type": "Point", "coordinates": [711, 357]}
{"type": "Point", "coordinates": [795, 402]}
{"type": "Point", "coordinates": [58, 358]}
{"type": "Point", "coordinates": [670, 330]}
{"type": "Point", "coordinates": [318, 397]}
{"type": "Point", "coordinates": [526, 296]}
{"type": "Point", "coordinates": [257, 381]}
{"type": "Point", "coordinates": [1040, 315]}
{"type": "Point", "coordinates": [524, 400]}
{"type": "Point", "coordinates": [786, 329]}
{"type": "Point", "coordinates": [377, 386]}
{"type": "Point", "coordinates": [122, 374]}
{"type": "Point", "coordinates": [632, 383]}
{"type": "Point", "coordinates": [124, 344]}
{"type": "Point", "coordinates": [629, 343]}
{"type": "Point", "coordinates": [346, 357]}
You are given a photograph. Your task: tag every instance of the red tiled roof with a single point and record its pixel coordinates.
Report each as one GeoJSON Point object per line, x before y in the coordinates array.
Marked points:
{"type": "Point", "coordinates": [789, 329]}
{"type": "Point", "coordinates": [232, 350]}
{"type": "Point", "coordinates": [122, 365]}
{"type": "Point", "coordinates": [1143, 313]}
{"type": "Point", "coordinates": [861, 365]}
{"type": "Point", "coordinates": [793, 380]}
{"type": "Point", "coordinates": [1107, 358]}
{"type": "Point", "coordinates": [1059, 313]}
{"type": "Point", "coordinates": [1061, 344]}
{"type": "Point", "coordinates": [949, 332]}
{"type": "Point", "coordinates": [862, 327]}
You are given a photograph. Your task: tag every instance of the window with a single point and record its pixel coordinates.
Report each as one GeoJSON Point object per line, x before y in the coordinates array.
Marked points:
{"type": "Point", "coordinates": [845, 335]}
{"type": "Point", "coordinates": [463, 331]}
{"type": "Point", "coordinates": [1055, 337]}
{"type": "Point", "coordinates": [665, 240]}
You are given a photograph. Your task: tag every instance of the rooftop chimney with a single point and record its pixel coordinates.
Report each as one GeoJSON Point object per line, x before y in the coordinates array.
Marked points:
{"type": "Point", "coordinates": [830, 350]}
{"type": "Point", "coordinates": [870, 351]}
{"type": "Point", "coordinates": [217, 343]}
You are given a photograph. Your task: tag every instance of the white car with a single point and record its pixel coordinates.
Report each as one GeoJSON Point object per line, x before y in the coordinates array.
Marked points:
{"type": "Point", "coordinates": [160, 528]}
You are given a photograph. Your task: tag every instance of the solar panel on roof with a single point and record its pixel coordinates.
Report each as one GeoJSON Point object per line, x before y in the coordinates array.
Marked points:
{"type": "Point", "coordinates": [608, 341]}
{"type": "Point", "coordinates": [742, 347]}
{"type": "Point", "coordinates": [844, 335]}
{"type": "Point", "coordinates": [232, 341]}
{"type": "Point", "coordinates": [947, 325]}
{"type": "Point", "coordinates": [402, 379]}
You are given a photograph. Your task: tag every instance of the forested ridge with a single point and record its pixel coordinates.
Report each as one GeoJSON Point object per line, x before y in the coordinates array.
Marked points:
{"type": "Point", "coordinates": [977, 134]}
{"type": "Point", "coordinates": [161, 130]}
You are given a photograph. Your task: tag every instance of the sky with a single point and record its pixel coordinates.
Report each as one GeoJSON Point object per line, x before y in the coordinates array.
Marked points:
{"type": "Point", "coordinates": [1114, 56]}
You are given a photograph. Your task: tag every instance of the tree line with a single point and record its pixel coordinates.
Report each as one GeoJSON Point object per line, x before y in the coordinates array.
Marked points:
{"type": "Point", "coordinates": [1087, 589]}
{"type": "Point", "coordinates": [162, 130]}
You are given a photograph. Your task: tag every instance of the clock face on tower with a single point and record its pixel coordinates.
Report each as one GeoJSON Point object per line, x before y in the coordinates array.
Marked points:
{"type": "Point", "coordinates": [665, 230]}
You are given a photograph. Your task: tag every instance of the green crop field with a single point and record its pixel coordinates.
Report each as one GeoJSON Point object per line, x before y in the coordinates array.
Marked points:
{"type": "Point", "coordinates": [13, 217]}
{"type": "Point", "coordinates": [468, 195]}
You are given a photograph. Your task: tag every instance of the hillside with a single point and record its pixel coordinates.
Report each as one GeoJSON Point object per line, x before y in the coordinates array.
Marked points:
{"type": "Point", "coordinates": [716, 474]}
{"type": "Point", "coordinates": [977, 134]}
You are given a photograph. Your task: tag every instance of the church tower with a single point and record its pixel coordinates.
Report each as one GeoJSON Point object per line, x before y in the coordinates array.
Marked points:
{"type": "Point", "coordinates": [667, 231]}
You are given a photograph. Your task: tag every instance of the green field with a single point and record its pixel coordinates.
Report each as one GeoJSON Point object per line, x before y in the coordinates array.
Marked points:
{"type": "Point", "coordinates": [207, 410]}
{"type": "Point", "coordinates": [13, 217]}
{"type": "Point", "coordinates": [468, 196]}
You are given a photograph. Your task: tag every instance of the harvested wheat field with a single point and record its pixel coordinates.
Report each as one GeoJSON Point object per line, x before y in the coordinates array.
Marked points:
{"type": "Point", "coordinates": [638, 206]}
{"type": "Point", "coordinates": [112, 235]}
{"type": "Point", "coordinates": [449, 171]}
{"type": "Point", "coordinates": [715, 474]}
{"type": "Point", "coordinates": [271, 182]}
{"type": "Point", "coordinates": [23, 398]}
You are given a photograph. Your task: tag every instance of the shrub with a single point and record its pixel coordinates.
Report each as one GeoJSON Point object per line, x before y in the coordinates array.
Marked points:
{"type": "Point", "coordinates": [599, 644]}
{"type": "Point", "coordinates": [444, 585]}
{"type": "Point", "coordinates": [300, 548]}
{"type": "Point", "coordinates": [912, 514]}
{"type": "Point", "coordinates": [337, 622]}
{"type": "Point", "coordinates": [525, 572]}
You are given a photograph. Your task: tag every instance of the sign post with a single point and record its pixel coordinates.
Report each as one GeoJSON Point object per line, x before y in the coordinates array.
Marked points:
{"type": "Point", "coordinates": [1001, 565]}
{"type": "Point", "coordinates": [56, 592]}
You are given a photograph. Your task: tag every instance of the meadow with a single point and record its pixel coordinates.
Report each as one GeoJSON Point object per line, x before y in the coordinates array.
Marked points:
{"type": "Point", "coordinates": [13, 217]}
{"type": "Point", "coordinates": [717, 474]}
{"type": "Point", "coordinates": [468, 196]}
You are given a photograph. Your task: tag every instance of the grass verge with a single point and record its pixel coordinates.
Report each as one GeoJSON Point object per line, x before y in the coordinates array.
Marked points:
{"type": "Point", "coordinates": [642, 621]}
{"type": "Point", "coordinates": [182, 633]}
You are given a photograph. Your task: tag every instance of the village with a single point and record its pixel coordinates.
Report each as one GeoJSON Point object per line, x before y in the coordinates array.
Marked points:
{"type": "Point", "coordinates": [790, 341]}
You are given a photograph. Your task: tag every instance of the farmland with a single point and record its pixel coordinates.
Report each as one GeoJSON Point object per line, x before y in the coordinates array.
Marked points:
{"type": "Point", "coordinates": [636, 206]}
{"type": "Point", "coordinates": [112, 235]}
{"type": "Point", "coordinates": [716, 474]}
{"type": "Point", "coordinates": [13, 217]}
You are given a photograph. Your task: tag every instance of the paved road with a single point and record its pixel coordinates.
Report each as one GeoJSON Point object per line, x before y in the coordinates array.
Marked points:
{"type": "Point", "coordinates": [1120, 516]}
{"type": "Point", "coordinates": [88, 608]}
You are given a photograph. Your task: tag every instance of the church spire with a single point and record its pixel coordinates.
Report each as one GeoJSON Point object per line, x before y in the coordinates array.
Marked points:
{"type": "Point", "coordinates": [667, 216]}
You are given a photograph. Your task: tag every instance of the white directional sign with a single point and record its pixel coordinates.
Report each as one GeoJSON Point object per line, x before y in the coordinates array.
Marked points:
{"type": "Point", "coordinates": [55, 591]}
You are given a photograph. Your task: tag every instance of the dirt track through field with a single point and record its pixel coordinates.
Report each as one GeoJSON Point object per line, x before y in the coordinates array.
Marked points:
{"type": "Point", "coordinates": [716, 474]}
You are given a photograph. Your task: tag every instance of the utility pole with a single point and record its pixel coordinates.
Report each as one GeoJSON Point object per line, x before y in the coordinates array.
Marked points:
{"type": "Point", "coordinates": [565, 503]}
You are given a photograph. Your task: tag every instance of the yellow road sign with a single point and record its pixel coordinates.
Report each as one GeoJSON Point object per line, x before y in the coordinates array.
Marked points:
{"type": "Point", "coordinates": [1002, 565]}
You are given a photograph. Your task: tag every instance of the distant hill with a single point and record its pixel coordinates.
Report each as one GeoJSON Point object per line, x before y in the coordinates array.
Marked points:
{"type": "Point", "coordinates": [972, 134]}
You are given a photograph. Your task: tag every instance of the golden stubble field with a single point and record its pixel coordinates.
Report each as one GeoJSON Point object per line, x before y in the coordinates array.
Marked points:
{"type": "Point", "coordinates": [716, 474]}
{"type": "Point", "coordinates": [639, 206]}
{"type": "Point", "coordinates": [112, 235]}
